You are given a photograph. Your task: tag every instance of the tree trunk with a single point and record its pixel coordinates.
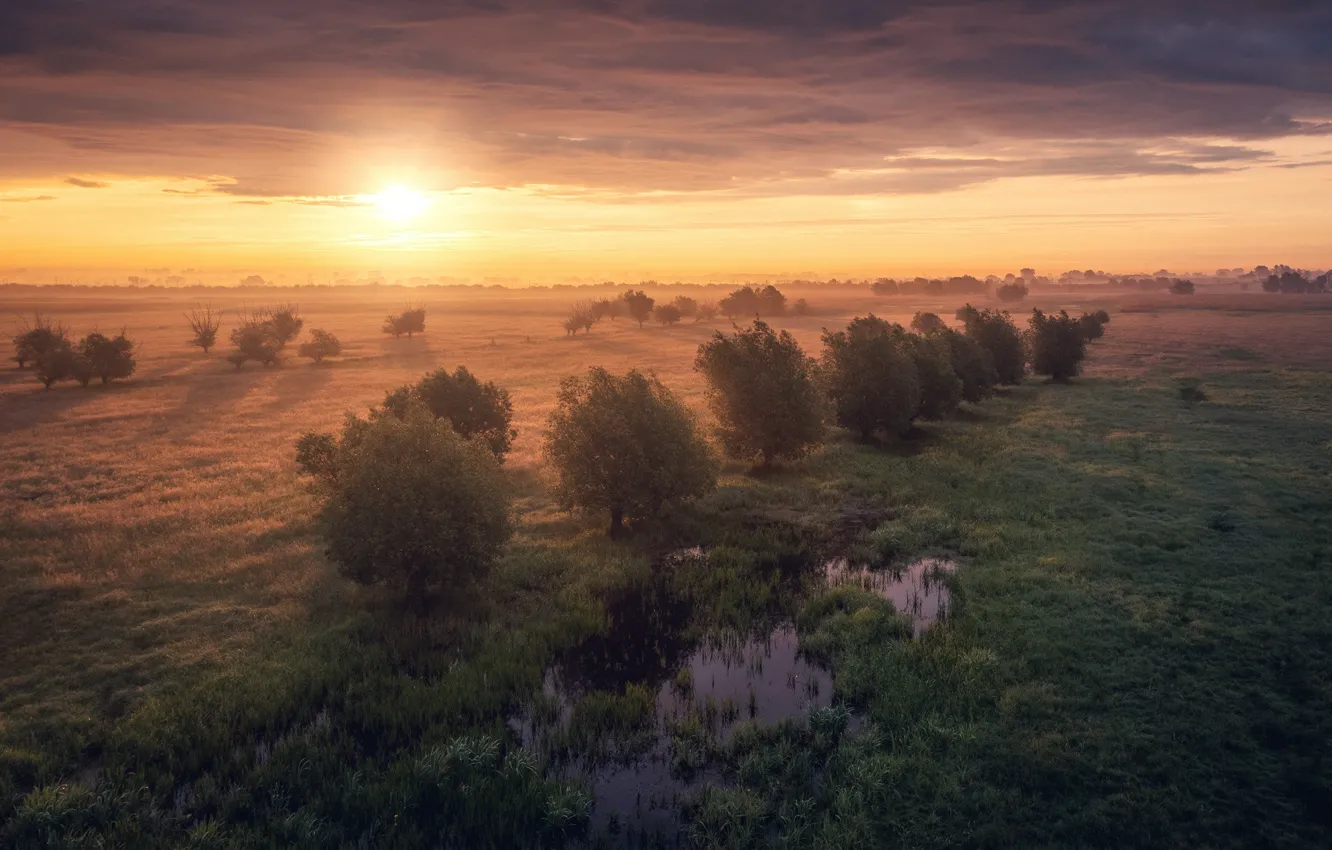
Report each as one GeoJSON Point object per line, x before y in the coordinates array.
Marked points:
{"type": "Point", "coordinates": [617, 523]}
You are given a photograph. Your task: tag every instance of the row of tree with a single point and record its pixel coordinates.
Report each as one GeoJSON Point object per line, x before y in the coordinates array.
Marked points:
{"type": "Point", "coordinates": [639, 306]}
{"type": "Point", "coordinates": [264, 333]}
{"type": "Point", "coordinates": [46, 347]}
{"type": "Point", "coordinates": [414, 494]}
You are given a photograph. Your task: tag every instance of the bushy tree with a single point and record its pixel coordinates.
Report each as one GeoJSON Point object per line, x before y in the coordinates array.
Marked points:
{"type": "Point", "coordinates": [761, 389]}
{"type": "Point", "coordinates": [748, 301]}
{"type": "Point", "coordinates": [472, 408]}
{"type": "Point", "coordinates": [625, 446]}
{"type": "Point", "coordinates": [1102, 317]}
{"type": "Point", "coordinates": [870, 377]}
{"type": "Point", "coordinates": [1055, 344]}
{"type": "Point", "coordinates": [580, 318]}
{"type": "Point", "coordinates": [82, 370]}
{"type": "Point", "coordinates": [1092, 326]}
{"type": "Point", "coordinates": [409, 503]}
{"type": "Point", "coordinates": [668, 314]}
{"type": "Point", "coordinates": [971, 363]}
{"type": "Point", "coordinates": [410, 321]}
{"type": "Point", "coordinates": [286, 322]}
{"type": "Point", "coordinates": [322, 344]}
{"type": "Point", "coordinates": [255, 339]}
{"type": "Point", "coordinates": [940, 386]}
{"type": "Point", "coordinates": [56, 363]}
{"type": "Point", "coordinates": [638, 305]}
{"type": "Point", "coordinates": [995, 332]}
{"type": "Point", "coordinates": [109, 358]}
{"type": "Point", "coordinates": [801, 307]}
{"type": "Point", "coordinates": [1015, 291]}
{"type": "Point", "coordinates": [687, 306]}
{"type": "Point", "coordinates": [204, 324]}
{"type": "Point", "coordinates": [884, 286]}
{"type": "Point", "coordinates": [1181, 287]}
{"type": "Point", "coordinates": [926, 322]}
{"type": "Point", "coordinates": [707, 311]}
{"type": "Point", "coordinates": [38, 337]}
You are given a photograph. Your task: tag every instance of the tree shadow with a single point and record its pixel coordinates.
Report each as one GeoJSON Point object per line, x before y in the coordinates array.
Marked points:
{"type": "Point", "coordinates": [296, 385]}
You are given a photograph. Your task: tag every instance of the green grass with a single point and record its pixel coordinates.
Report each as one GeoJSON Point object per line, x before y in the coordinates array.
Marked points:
{"type": "Point", "coordinates": [1119, 669]}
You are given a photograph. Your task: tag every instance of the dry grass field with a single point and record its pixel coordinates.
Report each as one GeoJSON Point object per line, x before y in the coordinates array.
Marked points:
{"type": "Point", "coordinates": [156, 529]}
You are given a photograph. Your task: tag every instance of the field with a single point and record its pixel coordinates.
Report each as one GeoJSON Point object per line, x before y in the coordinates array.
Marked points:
{"type": "Point", "coordinates": [1136, 650]}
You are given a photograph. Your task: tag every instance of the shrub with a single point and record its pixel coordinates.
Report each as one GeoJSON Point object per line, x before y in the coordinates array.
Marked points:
{"type": "Point", "coordinates": [286, 322]}
{"type": "Point", "coordinates": [473, 409]}
{"type": "Point", "coordinates": [638, 305]}
{"type": "Point", "coordinates": [761, 389]}
{"type": "Point", "coordinates": [940, 387]}
{"type": "Point", "coordinates": [204, 324]}
{"type": "Point", "coordinates": [316, 454]}
{"type": "Point", "coordinates": [801, 307]}
{"type": "Point", "coordinates": [37, 338]}
{"type": "Point", "coordinates": [687, 306]}
{"type": "Point", "coordinates": [82, 370]}
{"type": "Point", "coordinates": [56, 363]}
{"type": "Point", "coordinates": [707, 311]}
{"type": "Point", "coordinates": [1091, 326]}
{"type": "Point", "coordinates": [1056, 345]}
{"type": "Point", "coordinates": [409, 321]}
{"type": "Point", "coordinates": [971, 363]}
{"type": "Point", "coordinates": [624, 446]}
{"type": "Point", "coordinates": [108, 358]}
{"type": "Point", "coordinates": [884, 286]}
{"type": "Point", "coordinates": [1102, 317]}
{"type": "Point", "coordinates": [580, 316]}
{"type": "Point", "coordinates": [1015, 291]}
{"type": "Point", "coordinates": [411, 504]}
{"type": "Point", "coordinates": [255, 339]}
{"type": "Point", "coordinates": [748, 301]}
{"type": "Point", "coordinates": [995, 332]}
{"type": "Point", "coordinates": [322, 344]}
{"type": "Point", "coordinates": [927, 322]}
{"type": "Point", "coordinates": [607, 308]}
{"type": "Point", "coordinates": [1181, 287]}
{"type": "Point", "coordinates": [870, 377]}
{"type": "Point", "coordinates": [668, 314]}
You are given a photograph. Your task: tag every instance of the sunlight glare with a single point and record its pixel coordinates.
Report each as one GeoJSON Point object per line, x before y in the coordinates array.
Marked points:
{"type": "Point", "coordinates": [397, 203]}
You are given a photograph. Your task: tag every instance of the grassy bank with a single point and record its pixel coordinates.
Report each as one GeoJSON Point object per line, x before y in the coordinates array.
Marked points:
{"type": "Point", "coordinates": [1139, 654]}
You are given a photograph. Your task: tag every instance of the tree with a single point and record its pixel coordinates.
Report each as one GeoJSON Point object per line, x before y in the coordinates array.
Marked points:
{"type": "Point", "coordinates": [255, 339]}
{"type": "Point", "coordinates": [1092, 326]}
{"type": "Point", "coordinates": [1181, 287]}
{"type": "Point", "coordinates": [741, 302]}
{"type": "Point", "coordinates": [579, 318]}
{"type": "Point", "coordinates": [761, 390]}
{"type": "Point", "coordinates": [474, 409]}
{"type": "Point", "coordinates": [1102, 317]}
{"type": "Point", "coordinates": [668, 314]}
{"type": "Point", "coordinates": [286, 322]}
{"type": "Point", "coordinates": [926, 322]}
{"type": "Point", "coordinates": [771, 302]}
{"type": "Point", "coordinates": [707, 311]}
{"type": "Point", "coordinates": [995, 332]}
{"type": "Point", "coordinates": [108, 358]}
{"type": "Point", "coordinates": [322, 344]}
{"type": "Point", "coordinates": [204, 324]}
{"type": "Point", "coordinates": [638, 305]}
{"type": "Point", "coordinates": [1056, 345]}
{"type": "Point", "coordinates": [687, 306]}
{"type": "Point", "coordinates": [57, 363]}
{"type": "Point", "coordinates": [884, 286]}
{"type": "Point", "coordinates": [1015, 291]}
{"type": "Point", "coordinates": [625, 446]}
{"type": "Point", "coordinates": [971, 363]}
{"type": "Point", "coordinates": [801, 307]}
{"type": "Point", "coordinates": [408, 502]}
{"type": "Point", "coordinates": [940, 387]}
{"type": "Point", "coordinates": [870, 377]}
{"type": "Point", "coordinates": [38, 337]}
{"type": "Point", "coordinates": [409, 321]}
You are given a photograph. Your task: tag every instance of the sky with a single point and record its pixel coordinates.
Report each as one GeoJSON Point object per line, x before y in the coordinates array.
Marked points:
{"type": "Point", "coordinates": [623, 139]}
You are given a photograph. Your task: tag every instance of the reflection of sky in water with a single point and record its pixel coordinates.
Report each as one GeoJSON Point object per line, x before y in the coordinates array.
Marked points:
{"type": "Point", "coordinates": [919, 590]}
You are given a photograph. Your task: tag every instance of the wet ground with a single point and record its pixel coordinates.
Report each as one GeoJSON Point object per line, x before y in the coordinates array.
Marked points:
{"type": "Point", "coordinates": [636, 710]}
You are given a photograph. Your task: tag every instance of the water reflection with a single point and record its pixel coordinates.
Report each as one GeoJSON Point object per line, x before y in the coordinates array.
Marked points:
{"type": "Point", "coordinates": [919, 590]}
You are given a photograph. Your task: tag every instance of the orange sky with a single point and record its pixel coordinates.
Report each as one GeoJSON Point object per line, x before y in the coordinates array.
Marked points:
{"type": "Point", "coordinates": [544, 142]}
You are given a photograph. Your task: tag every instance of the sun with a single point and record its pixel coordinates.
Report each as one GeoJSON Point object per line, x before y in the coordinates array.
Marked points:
{"type": "Point", "coordinates": [397, 203]}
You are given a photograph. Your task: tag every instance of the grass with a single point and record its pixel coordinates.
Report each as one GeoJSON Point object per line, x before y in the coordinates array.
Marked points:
{"type": "Point", "coordinates": [1138, 652]}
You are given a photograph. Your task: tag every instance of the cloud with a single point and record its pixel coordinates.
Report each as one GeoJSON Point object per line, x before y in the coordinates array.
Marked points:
{"type": "Point", "coordinates": [25, 199]}
{"type": "Point", "coordinates": [641, 96]}
{"type": "Point", "coordinates": [86, 184]}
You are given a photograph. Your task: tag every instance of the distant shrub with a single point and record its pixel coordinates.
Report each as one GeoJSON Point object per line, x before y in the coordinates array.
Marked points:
{"type": "Point", "coordinates": [204, 324]}
{"type": "Point", "coordinates": [707, 311]}
{"type": "Point", "coordinates": [37, 338]}
{"type": "Point", "coordinates": [687, 306]}
{"type": "Point", "coordinates": [995, 332]}
{"type": "Point", "coordinates": [761, 390]}
{"type": "Point", "coordinates": [801, 307]}
{"type": "Point", "coordinates": [56, 363]}
{"type": "Point", "coordinates": [940, 387]}
{"type": "Point", "coordinates": [638, 305]}
{"type": "Point", "coordinates": [607, 308]}
{"type": "Point", "coordinates": [82, 370]}
{"type": "Point", "coordinates": [625, 446]}
{"type": "Point", "coordinates": [1191, 391]}
{"type": "Point", "coordinates": [255, 339]}
{"type": "Point", "coordinates": [668, 314]}
{"type": "Point", "coordinates": [748, 301]}
{"type": "Point", "coordinates": [926, 322]}
{"type": "Point", "coordinates": [322, 344]}
{"type": "Point", "coordinates": [884, 286]}
{"type": "Point", "coordinates": [408, 502]}
{"type": "Point", "coordinates": [1102, 317]}
{"type": "Point", "coordinates": [109, 358]}
{"type": "Point", "coordinates": [472, 408]}
{"type": "Point", "coordinates": [1015, 291]}
{"type": "Point", "coordinates": [971, 363]}
{"type": "Point", "coordinates": [1056, 345]}
{"type": "Point", "coordinates": [410, 321]}
{"type": "Point", "coordinates": [580, 318]}
{"type": "Point", "coordinates": [1181, 287]}
{"type": "Point", "coordinates": [286, 322]}
{"type": "Point", "coordinates": [870, 377]}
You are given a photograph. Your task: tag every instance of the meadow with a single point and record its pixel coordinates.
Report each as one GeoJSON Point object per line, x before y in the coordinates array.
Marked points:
{"type": "Point", "coordinates": [1136, 650]}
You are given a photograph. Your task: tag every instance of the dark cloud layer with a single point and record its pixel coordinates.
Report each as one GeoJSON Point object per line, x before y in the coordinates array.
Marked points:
{"type": "Point", "coordinates": [679, 95]}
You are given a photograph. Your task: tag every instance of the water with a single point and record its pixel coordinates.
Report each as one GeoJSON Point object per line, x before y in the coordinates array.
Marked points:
{"type": "Point", "coordinates": [919, 589]}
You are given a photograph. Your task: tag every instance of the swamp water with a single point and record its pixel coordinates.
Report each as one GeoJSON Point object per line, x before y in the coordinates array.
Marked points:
{"type": "Point", "coordinates": [637, 710]}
